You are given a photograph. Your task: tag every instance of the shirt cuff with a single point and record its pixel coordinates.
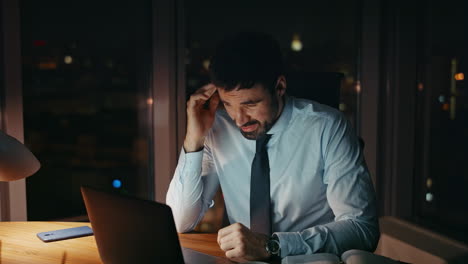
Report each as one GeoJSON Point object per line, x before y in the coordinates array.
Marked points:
{"type": "Point", "coordinates": [291, 243]}
{"type": "Point", "coordinates": [191, 162]}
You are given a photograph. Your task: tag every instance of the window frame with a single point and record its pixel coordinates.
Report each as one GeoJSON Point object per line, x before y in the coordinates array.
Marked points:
{"type": "Point", "coordinates": [169, 113]}
{"type": "Point", "coordinates": [12, 194]}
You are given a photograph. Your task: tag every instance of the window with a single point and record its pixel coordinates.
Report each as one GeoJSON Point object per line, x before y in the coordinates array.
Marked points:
{"type": "Point", "coordinates": [442, 122]}
{"type": "Point", "coordinates": [87, 101]}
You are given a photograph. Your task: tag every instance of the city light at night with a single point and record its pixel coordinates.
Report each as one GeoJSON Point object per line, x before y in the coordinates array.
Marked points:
{"type": "Point", "coordinates": [342, 107]}
{"type": "Point", "coordinates": [206, 64]}
{"type": "Point", "coordinates": [429, 183]}
{"type": "Point", "coordinates": [296, 43]}
{"type": "Point", "coordinates": [358, 87]}
{"type": "Point", "coordinates": [117, 183]}
{"type": "Point", "coordinates": [441, 99]}
{"type": "Point", "coordinates": [420, 87]}
{"type": "Point", "coordinates": [68, 59]}
{"type": "Point", "coordinates": [429, 197]}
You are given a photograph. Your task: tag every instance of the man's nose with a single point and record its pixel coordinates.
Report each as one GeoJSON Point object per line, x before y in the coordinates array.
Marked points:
{"type": "Point", "coordinates": [241, 117]}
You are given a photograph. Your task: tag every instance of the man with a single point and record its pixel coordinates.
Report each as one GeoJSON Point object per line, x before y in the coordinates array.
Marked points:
{"type": "Point", "coordinates": [319, 195]}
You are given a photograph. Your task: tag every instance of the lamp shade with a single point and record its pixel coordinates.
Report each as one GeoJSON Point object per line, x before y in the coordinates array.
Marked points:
{"type": "Point", "coordinates": [16, 161]}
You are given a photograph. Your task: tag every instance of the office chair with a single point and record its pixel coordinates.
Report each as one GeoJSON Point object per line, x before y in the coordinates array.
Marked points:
{"type": "Point", "coordinates": [322, 87]}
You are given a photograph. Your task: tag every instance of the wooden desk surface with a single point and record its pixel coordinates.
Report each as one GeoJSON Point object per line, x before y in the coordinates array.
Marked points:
{"type": "Point", "coordinates": [19, 244]}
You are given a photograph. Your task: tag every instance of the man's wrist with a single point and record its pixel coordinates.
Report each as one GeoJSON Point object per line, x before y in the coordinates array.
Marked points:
{"type": "Point", "coordinates": [193, 145]}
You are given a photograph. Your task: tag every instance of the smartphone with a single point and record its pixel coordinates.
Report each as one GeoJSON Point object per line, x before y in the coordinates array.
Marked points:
{"type": "Point", "coordinates": [65, 233]}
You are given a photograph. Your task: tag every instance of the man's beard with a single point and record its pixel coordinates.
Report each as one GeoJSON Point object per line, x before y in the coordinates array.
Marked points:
{"type": "Point", "coordinates": [262, 129]}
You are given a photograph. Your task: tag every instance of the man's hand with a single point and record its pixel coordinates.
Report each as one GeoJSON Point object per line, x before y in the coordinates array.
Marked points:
{"type": "Point", "coordinates": [200, 116]}
{"type": "Point", "coordinates": [241, 244]}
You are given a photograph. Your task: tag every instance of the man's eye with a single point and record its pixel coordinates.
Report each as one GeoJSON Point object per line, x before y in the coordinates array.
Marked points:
{"type": "Point", "coordinates": [251, 105]}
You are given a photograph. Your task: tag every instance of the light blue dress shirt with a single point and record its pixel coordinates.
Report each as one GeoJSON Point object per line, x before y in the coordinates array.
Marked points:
{"type": "Point", "coordinates": [321, 191]}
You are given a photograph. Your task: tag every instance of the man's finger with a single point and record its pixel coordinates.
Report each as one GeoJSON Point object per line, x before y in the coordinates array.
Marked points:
{"type": "Point", "coordinates": [227, 230]}
{"type": "Point", "coordinates": [222, 233]}
{"type": "Point", "coordinates": [198, 99]}
{"type": "Point", "coordinates": [236, 227]}
{"type": "Point", "coordinates": [201, 95]}
{"type": "Point", "coordinates": [207, 89]}
{"type": "Point", "coordinates": [228, 244]}
{"type": "Point", "coordinates": [229, 239]}
{"type": "Point", "coordinates": [235, 255]}
{"type": "Point", "coordinates": [214, 101]}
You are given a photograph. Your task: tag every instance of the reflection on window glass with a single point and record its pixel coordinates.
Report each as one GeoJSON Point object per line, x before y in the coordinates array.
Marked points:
{"type": "Point", "coordinates": [86, 110]}
{"type": "Point", "coordinates": [318, 37]}
{"type": "Point", "coordinates": [443, 200]}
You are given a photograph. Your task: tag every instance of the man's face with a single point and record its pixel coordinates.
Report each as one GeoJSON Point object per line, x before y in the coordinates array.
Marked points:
{"type": "Point", "coordinates": [254, 110]}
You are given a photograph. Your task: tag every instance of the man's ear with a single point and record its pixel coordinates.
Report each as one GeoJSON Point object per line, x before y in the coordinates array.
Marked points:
{"type": "Point", "coordinates": [281, 86]}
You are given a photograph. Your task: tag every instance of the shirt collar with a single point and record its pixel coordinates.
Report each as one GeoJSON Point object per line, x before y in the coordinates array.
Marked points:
{"type": "Point", "coordinates": [283, 121]}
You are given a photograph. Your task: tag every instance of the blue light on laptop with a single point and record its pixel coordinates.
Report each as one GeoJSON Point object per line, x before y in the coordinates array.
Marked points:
{"type": "Point", "coordinates": [117, 183]}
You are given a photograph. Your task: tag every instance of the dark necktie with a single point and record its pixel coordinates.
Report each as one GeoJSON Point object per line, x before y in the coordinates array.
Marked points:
{"type": "Point", "coordinates": [260, 216]}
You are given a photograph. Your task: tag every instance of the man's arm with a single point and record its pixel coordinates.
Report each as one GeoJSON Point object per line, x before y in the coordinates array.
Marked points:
{"type": "Point", "coordinates": [16, 161]}
{"type": "Point", "coordinates": [192, 188]}
{"type": "Point", "coordinates": [351, 196]}
{"type": "Point", "coordinates": [195, 182]}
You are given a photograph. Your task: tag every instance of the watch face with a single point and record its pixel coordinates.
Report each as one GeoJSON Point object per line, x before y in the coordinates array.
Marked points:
{"type": "Point", "coordinates": [273, 246]}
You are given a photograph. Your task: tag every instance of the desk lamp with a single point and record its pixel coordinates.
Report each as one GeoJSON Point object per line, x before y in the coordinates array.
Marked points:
{"type": "Point", "coordinates": [16, 161]}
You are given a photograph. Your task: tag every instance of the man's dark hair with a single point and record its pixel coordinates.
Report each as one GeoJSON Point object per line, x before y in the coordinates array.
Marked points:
{"type": "Point", "coordinates": [247, 59]}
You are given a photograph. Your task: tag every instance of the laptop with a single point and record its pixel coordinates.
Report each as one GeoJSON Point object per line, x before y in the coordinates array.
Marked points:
{"type": "Point", "coordinates": [132, 230]}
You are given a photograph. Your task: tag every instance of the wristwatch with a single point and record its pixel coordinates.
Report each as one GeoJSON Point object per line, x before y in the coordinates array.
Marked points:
{"type": "Point", "coordinates": [273, 246]}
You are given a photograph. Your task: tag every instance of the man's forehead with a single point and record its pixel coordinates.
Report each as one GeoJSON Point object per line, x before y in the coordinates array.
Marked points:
{"type": "Point", "coordinates": [253, 93]}
{"type": "Point", "coordinates": [257, 89]}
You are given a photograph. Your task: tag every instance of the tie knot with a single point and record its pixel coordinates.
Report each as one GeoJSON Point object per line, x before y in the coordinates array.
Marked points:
{"type": "Point", "coordinates": [262, 142]}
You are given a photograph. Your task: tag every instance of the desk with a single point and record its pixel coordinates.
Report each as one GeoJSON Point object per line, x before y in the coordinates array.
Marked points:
{"type": "Point", "coordinates": [19, 244]}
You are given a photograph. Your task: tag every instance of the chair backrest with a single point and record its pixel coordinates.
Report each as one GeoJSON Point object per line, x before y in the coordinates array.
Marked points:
{"type": "Point", "coordinates": [323, 87]}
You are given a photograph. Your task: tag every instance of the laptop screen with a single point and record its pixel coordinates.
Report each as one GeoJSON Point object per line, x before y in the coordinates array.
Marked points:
{"type": "Point", "coordinates": [131, 230]}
